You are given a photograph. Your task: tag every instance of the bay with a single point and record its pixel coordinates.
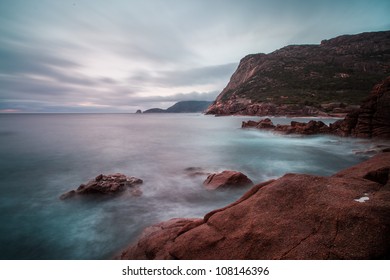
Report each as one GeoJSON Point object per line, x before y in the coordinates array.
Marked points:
{"type": "Point", "coordinates": [45, 155]}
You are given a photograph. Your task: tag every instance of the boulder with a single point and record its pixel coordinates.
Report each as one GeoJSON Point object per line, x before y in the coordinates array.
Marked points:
{"type": "Point", "coordinates": [345, 216]}
{"type": "Point", "coordinates": [265, 124]}
{"type": "Point", "coordinates": [310, 128]}
{"type": "Point", "coordinates": [226, 179]}
{"type": "Point", "coordinates": [249, 124]}
{"type": "Point", "coordinates": [107, 184]}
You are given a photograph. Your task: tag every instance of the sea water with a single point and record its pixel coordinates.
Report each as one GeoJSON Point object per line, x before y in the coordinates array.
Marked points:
{"type": "Point", "coordinates": [45, 155]}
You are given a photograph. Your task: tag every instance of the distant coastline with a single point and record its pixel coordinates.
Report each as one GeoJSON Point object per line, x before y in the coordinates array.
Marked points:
{"type": "Point", "coordinates": [191, 106]}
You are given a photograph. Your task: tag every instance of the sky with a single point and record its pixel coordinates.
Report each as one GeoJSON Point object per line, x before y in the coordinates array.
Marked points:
{"type": "Point", "coordinates": [119, 56]}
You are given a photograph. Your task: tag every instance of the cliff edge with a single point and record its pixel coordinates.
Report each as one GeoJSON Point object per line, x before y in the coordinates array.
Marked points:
{"type": "Point", "coordinates": [330, 78]}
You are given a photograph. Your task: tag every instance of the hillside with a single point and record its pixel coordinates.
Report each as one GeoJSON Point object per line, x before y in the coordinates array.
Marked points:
{"type": "Point", "coordinates": [330, 77]}
{"type": "Point", "coordinates": [183, 107]}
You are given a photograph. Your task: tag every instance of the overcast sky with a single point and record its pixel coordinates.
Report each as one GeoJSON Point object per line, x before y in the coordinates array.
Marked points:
{"type": "Point", "coordinates": [120, 56]}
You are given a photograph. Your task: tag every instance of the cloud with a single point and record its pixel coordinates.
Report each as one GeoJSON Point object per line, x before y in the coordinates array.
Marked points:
{"type": "Point", "coordinates": [180, 77]}
{"type": "Point", "coordinates": [198, 96]}
{"type": "Point", "coordinates": [115, 56]}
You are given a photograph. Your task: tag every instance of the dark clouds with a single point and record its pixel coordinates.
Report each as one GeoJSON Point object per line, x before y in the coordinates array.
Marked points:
{"type": "Point", "coordinates": [119, 56]}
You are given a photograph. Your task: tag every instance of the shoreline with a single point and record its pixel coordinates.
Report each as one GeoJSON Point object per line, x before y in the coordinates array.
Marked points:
{"type": "Point", "coordinates": [357, 190]}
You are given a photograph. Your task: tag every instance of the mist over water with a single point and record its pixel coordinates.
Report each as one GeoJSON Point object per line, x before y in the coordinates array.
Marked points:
{"type": "Point", "coordinates": [45, 155]}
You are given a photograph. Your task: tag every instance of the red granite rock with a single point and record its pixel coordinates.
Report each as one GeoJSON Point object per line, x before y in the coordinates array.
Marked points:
{"type": "Point", "coordinates": [345, 216]}
{"type": "Point", "coordinates": [225, 179]}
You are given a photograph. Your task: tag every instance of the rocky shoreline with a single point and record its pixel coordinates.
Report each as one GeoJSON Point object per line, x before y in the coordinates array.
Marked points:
{"type": "Point", "coordinates": [298, 216]}
{"type": "Point", "coordinates": [371, 120]}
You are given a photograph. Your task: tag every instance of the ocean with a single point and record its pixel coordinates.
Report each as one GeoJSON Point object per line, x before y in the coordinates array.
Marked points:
{"type": "Point", "coordinates": [45, 155]}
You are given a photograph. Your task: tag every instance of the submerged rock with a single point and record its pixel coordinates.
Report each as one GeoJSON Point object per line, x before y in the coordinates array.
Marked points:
{"type": "Point", "coordinates": [195, 171]}
{"type": "Point", "coordinates": [227, 179]}
{"type": "Point", "coordinates": [107, 184]}
{"type": "Point", "coordinates": [345, 216]}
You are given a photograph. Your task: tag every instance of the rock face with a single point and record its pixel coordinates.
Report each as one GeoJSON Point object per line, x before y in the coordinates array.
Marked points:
{"type": "Point", "coordinates": [307, 80]}
{"type": "Point", "coordinates": [226, 179]}
{"type": "Point", "coordinates": [345, 216]}
{"type": "Point", "coordinates": [373, 117]}
{"type": "Point", "coordinates": [371, 120]}
{"type": "Point", "coordinates": [107, 184]}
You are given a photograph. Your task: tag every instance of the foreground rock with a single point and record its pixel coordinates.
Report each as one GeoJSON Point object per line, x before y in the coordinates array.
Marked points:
{"type": "Point", "coordinates": [371, 120]}
{"type": "Point", "coordinates": [227, 179]}
{"type": "Point", "coordinates": [345, 216]}
{"type": "Point", "coordinates": [107, 184]}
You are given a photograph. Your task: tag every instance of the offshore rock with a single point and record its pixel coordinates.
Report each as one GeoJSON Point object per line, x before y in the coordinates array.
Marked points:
{"type": "Point", "coordinates": [312, 127]}
{"type": "Point", "coordinates": [107, 184]}
{"type": "Point", "coordinates": [262, 124]}
{"type": "Point", "coordinates": [345, 216]}
{"type": "Point", "coordinates": [226, 179]}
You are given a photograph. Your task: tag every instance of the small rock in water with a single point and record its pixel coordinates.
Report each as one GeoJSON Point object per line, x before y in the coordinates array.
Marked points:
{"type": "Point", "coordinates": [107, 184]}
{"type": "Point", "coordinates": [226, 179]}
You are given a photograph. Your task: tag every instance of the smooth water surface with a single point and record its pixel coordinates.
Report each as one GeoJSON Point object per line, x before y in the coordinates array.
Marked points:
{"type": "Point", "coordinates": [45, 155]}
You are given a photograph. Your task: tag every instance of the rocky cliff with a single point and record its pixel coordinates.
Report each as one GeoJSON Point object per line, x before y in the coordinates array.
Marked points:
{"type": "Point", "coordinates": [372, 119]}
{"type": "Point", "coordinates": [330, 77]}
{"type": "Point", "coordinates": [345, 216]}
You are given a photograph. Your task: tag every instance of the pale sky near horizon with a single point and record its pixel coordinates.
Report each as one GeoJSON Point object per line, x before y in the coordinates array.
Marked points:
{"type": "Point", "coordinates": [120, 56]}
